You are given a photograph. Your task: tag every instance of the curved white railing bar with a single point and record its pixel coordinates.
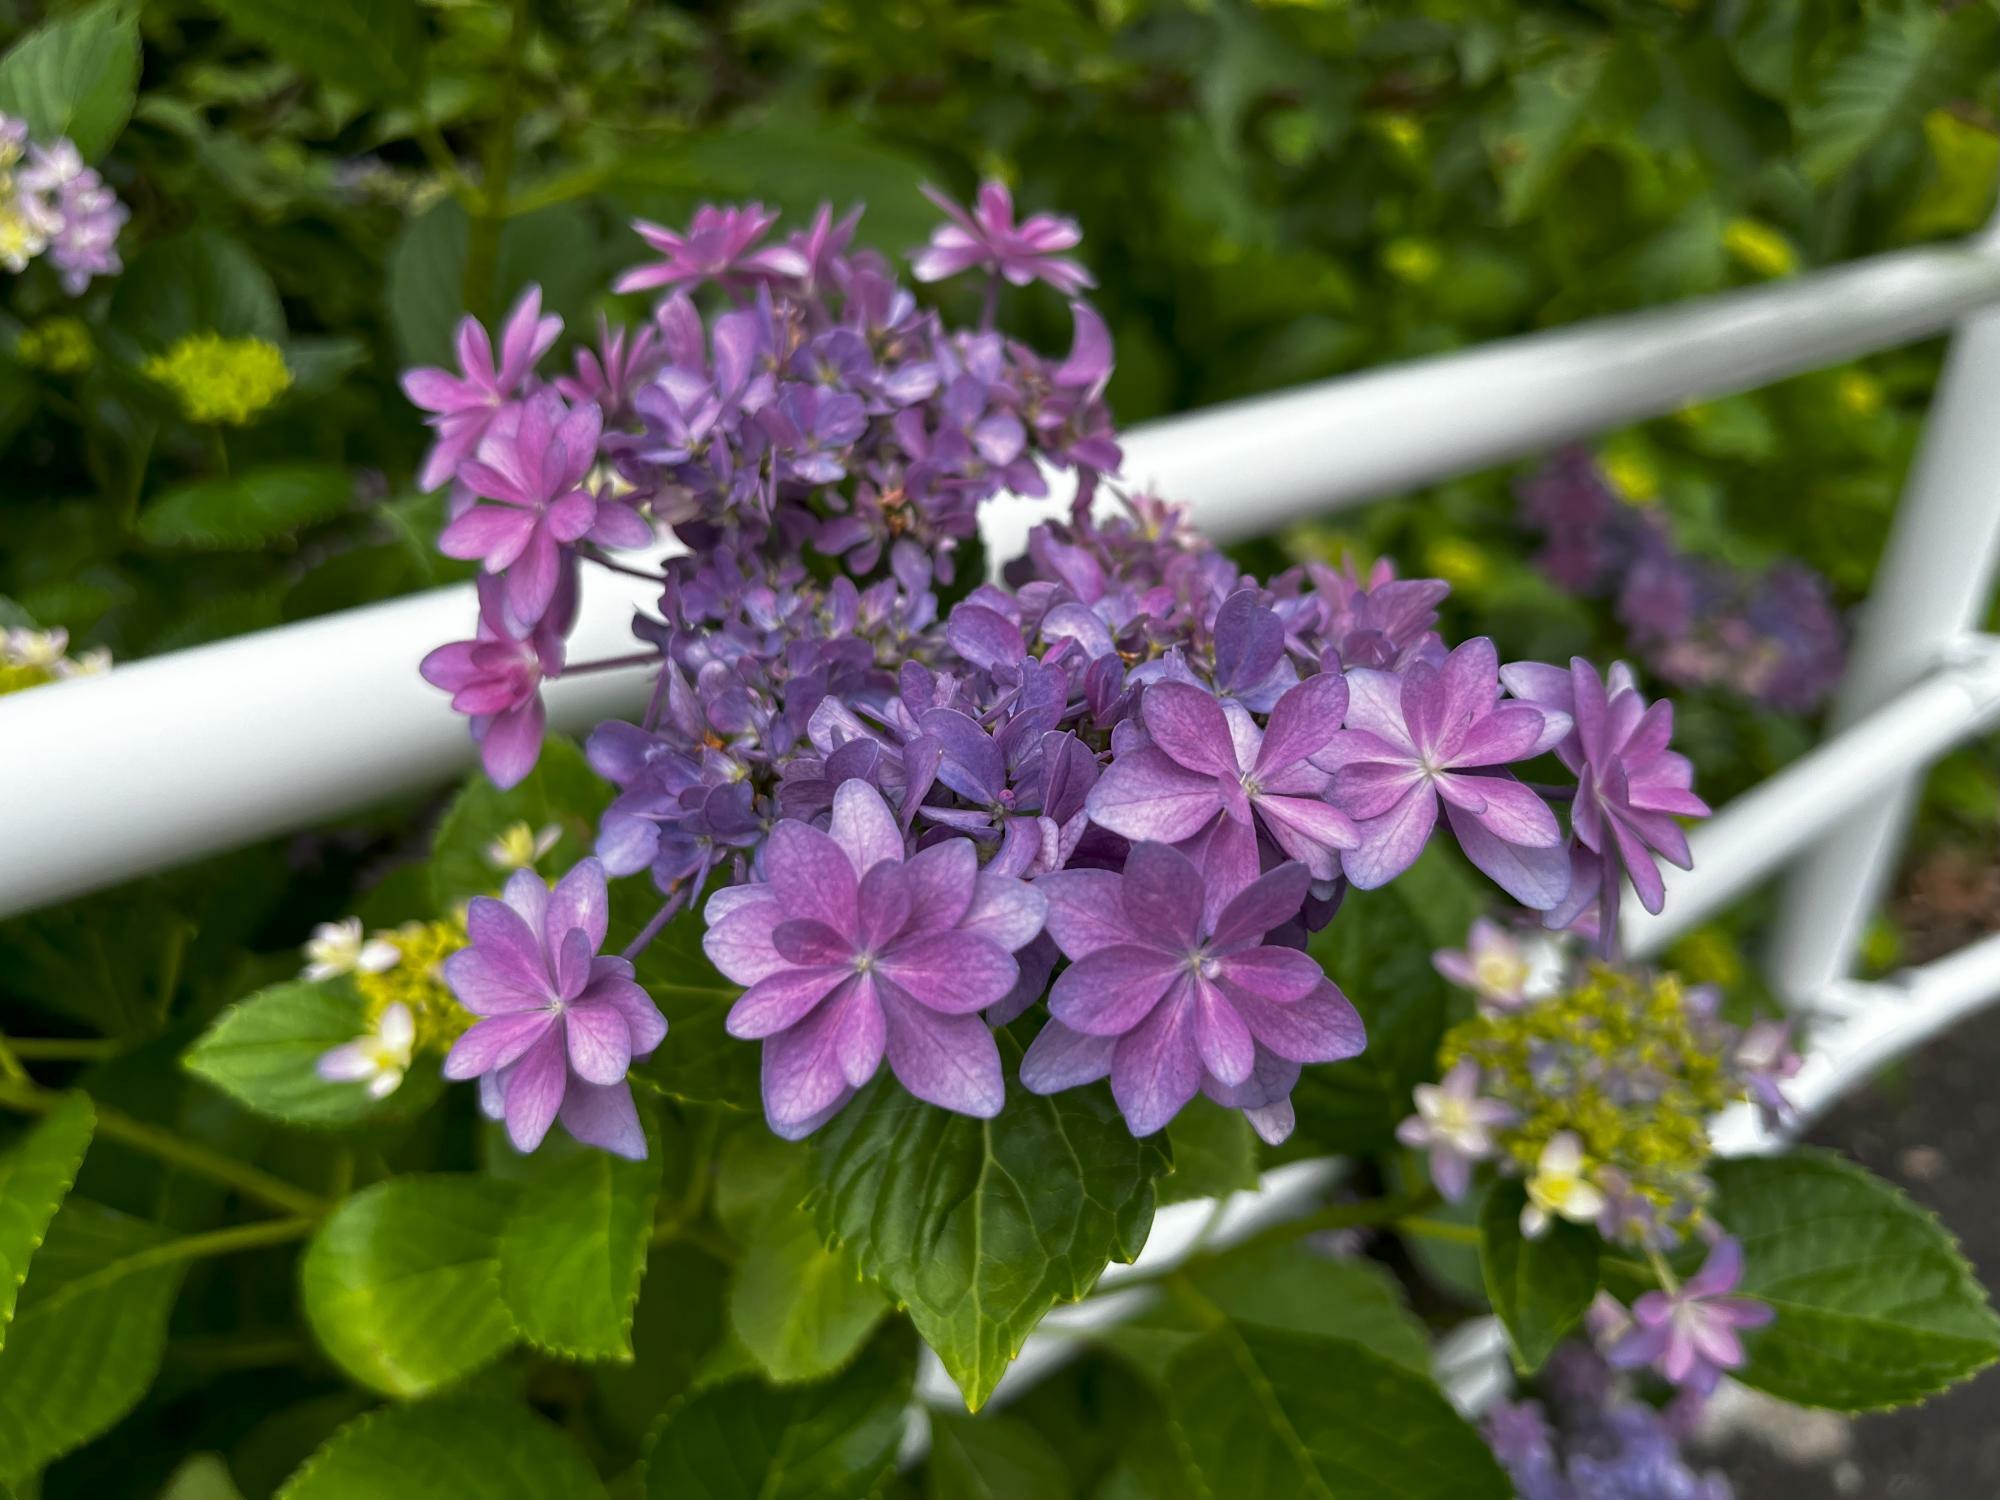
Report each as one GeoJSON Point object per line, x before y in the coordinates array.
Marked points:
{"type": "Point", "coordinates": [166, 760]}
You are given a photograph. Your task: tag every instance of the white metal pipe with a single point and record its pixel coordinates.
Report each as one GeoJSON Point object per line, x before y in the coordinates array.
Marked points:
{"type": "Point", "coordinates": [1934, 582]}
{"type": "Point", "coordinates": [1838, 780]}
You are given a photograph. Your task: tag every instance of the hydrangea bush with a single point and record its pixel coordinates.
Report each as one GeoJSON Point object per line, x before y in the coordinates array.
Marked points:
{"type": "Point", "coordinates": [931, 923]}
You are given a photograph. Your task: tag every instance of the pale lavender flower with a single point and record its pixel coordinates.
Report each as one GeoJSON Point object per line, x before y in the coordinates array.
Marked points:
{"type": "Point", "coordinates": [496, 679]}
{"type": "Point", "coordinates": [1169, 1003]}
{"type": "Point", "coordinates": [1764, 1060]}
{"type": "Point", "coordinates": [1455, 1126]}
{"type": "Point", "coordinates": [560, 1024]}
{"type": "Point", "coordinates": [987, 236]}
{"type": "Point", "coordinates": [1689, 1335]}
{"type": "Point", "coordinates": [853, 951]}
{"type": "Point", "coordinates": [1441, 732]}
{"type": "Point", "coordinates": [1492, 964]}
{"type": "Point", "coordinates": [84, 242]}
{"type": "Point", "coordinates": [1210, 769]}
{"type": "Point", "coordinates": [379, 1057]}
{"type": "Point", "coordinates": [720, 246]}
{"type": "Point", "coordinates": [463, 406]}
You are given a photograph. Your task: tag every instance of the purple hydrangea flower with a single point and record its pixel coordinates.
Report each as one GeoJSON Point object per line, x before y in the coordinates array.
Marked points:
{"type": "Point", "coordinates": [853, 951]}
{"type": "Point", "coordinates": [497, 677]}
{"type": "Point", "coordinates": [987, 236]}
{"type": "Point", "coordinates": [1168, 1003]}
{"type": "Point", "coordinates": [1491, 965]}
{"type": "Point", "coordinates": [608, 376]}
{"type": "Point", "coordinates": [1455, 1125]}
{"type": "Point", "coordinates": [1208, 761]}
{"type": "Point", "coordinates": [1689, 1335]}
{"type": "Point", "coordinates": [559, 1024]}
{"type": "Point", "coordinates": [720, 245]}
{"type": "Point", "coordinates": [533, 462]}
{"type": "Point", "coordinates": [84, 241]}
{"type": "Point", "coordinates": [1440, 732]}
{"type": "Point", "coordinates": [1630, 786]}
{"type": "Point", "coordinates": [1764, 1060]}
{"type": "Point", "coordinates": [463, 406]}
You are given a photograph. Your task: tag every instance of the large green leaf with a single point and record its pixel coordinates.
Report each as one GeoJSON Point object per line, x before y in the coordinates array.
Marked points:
{"type": "Point", "coordinates": [745, 1441]}
{"type": "Point", "coordinates": [456, 1448]}
{"type": "Point", "coordinates": [979, 1227]}
{"type": "Point", "coordinates": [699, 1061]}
{"type": "Point", "coordinates": [77, 76]}
{"type": "Point", "coordinates": [35, 1177]}
{"type": "Point", "coordinates": [402, 1282]}
{"type": "Point", "coordinates": [87, 1338]}
{"type": "Point", "coordinates": [1215, 1152]}
{"type": "Point", "coordinates": [1876, 1307]}
{"type": "Point", "coordinates": [1268, 1415]}
{"type": "Point", "coordinates": [1377, 950]}
{"type": "Point", "coordinates": [199, 282]}
{"type": "Point", "coordinates": [246, 512]}
{"type": "Point", "coordinates": [1539, 1287]}
{"type": "Point", "coordinates": [556, 249]}
{"type": "Point", "coordinates": [562, 791]}
{"type": "Point", "coordinates": [373, 48]}
{"type": "Point", "coordinates": [1909, 58]}
{"type": "Point", "coordinates": [1552, 106]}
{"type": "Point", "coordinates": [800, 1308]}
{"type": "Point", "coordinates": [262, 1052]}
{"type": "Point", "coordinates": [993, 1458]}
{"type": "Point", "coordinates": [574, 1247]}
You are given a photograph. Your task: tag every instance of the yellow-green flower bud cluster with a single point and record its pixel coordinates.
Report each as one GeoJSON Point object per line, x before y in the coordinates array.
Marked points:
{"type": "Point", "coordinates": [417, 981]}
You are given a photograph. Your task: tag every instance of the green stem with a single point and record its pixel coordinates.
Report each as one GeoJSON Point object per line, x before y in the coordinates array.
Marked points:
{"type": "Point", "coordinates": [1439, 1229]}
{"type": "Point", "coordinates": [489, 217]}
{"type": "Point", "coordinates": [274, 1192]}
{"type": "Point", "coordinates": [10, 1063]}
{"type": "Point", "coordinates": [1664, 1271]}
{"type": "Point", "coordinates": [230, 1241]}
{"type": "Point", "coordinates": [65, 1048]}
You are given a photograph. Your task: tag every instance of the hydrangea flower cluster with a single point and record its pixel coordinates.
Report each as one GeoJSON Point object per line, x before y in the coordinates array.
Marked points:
{"type": "Point", "coordinates": [51, 203]}
{"type": "Point", "coordinates": [406, 1007]}
{"type": "Point", "coordinates": [917, 794]}
{"type": "Point", "coordinates": [220, 381]}
{"type": "Point", "coordinates": [1773, 636]}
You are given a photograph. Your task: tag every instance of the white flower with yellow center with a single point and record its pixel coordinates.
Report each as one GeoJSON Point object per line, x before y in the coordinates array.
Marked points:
{"type": "Point", "coordinates": [519, 846]}
{"type": "Point", "coordinates": [378, 1058]}
{"type": "Point", "coordinates": [338, 948]}
{"type": "Point", "coordinates": [1559, 1188]}
{"type": "Point", "coordinates": [34, 648]}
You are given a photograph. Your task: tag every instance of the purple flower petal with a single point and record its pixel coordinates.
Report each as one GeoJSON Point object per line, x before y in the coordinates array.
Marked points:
{"type": "Point", "coordinates": [600, 1044]}
{"type": "Point", "coordinates": [947, 1060]}
{"type": "Point", "coordinates": [603, 1115]}
{"type": "Point", "coordinates": [1537, 878]}
{"type": "Point", "coordinates": [1221, 1037]}
{"type": "Point", "coordinates": [1084, 911]}
{"type": "Point", "coordinates": [1155, 1069]}
{"type": "Point", "coordinates": [1060, 1058]}
{"type": "Point", "coordinates": [1323, 1027]}
{"type": "Point", "coordinates": [1391, 843]}
{"type": "Point", "coordinates": [864, 827]}
{"type": "Point", "coordinates": [1146, 795]}
{"type": "Point", "coordinates": [494, 1043]}
{"type": "Point", "coordinates": [1113, 989]}
{"type": "Point", "coordinates": [782, 1000]}
{"type": "Point", "coordinates": [952, 972]}
{"type": "Point", "coordinates": [1269, 901]}
{"type": "Point", "coordinates": [811, 875]}
{"type": "Point", "coordinates": [535, 1086]}
{"type": "Point", "coordinates": [1161, 892]}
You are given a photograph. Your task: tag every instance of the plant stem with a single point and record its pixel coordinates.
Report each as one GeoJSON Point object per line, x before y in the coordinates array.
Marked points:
{"type": "Point", "coordinates": [237, 1237]}
{"type": "Point", "coordinates": [592, 554]}
{"type": "Point", "coordinates": [610, 663]}
{"type": "Point", "coordinates": [10, 1063]}
{"type": "Point", "coordinates": [250, 1181]}
{"type": "Point", "coordinates": [1439, 1229]}
{"type": "Point", "coordinates": [64, 1048]}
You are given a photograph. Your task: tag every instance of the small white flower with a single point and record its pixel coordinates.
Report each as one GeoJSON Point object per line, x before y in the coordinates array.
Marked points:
{"type": "Point", "coordinates": [338, 948]}
{"type": "Point", "coordinates": [378, 1058]}
{"type": "Point", "coordinates": [35, 648]}
{"type": "Point", "coordinates": [520, 846]}
{"type": "Point", "coordinates": [92, 663]}
{"type": "Point", "coordinates": [1559, 1188]}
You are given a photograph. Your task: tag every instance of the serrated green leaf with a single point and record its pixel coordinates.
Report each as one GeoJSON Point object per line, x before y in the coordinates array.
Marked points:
{"type": "Point", "coordinates": [262, 1052]}
{"type": "Point", "coordinates": [992, 1458]}
{"type": "Point", "coordinates": [451, 1449]}
{"type": "Point", "coordinates": [1876, 1306]}
{"type": "Point", "coordinates": [35, 1177]}
{"type": "Point", "coordinates": [800, 1308]}
{"type": "Point", "coordinates": [574, 1247]}
{"type": "Point", "coordinates": [979, 1227]}
{"type": "Point", "coordinates": [245, 512]}
{"type": "Point", "coordinates": [1540, 1287]}
{"type": "Point", "coordinates": [76, 76]}
{"type": "Point", "coordinates": [402, 1282]}
{"type": "Point", "coordinates": [372, 48]}
{"type": "Point", "coordinates": [1215, 1152]}
{"type": "Point", "coordinates": [1267, 1415]}
{"type": "Point", "coordinates": [87, 1337]}
{"type": "Point", "coordinates": [745, 1441]}
{"type": "Point", "coordinates": [561, 792]}
{"type": "Point", "coordinates": [1908, 59]}
{"type": "Point", "coordinates": [200, 282]}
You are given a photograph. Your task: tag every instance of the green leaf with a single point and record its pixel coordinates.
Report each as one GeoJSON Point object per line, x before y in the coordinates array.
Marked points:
{"type": "Point", "coordinates": [77, 76]}
{"type": "Point", "coordinates": [979, 1227]}
{"type": "Point", "coordinates": [402, 1282]}
{"type": "Point", "coordinates": [1957, 196]}
{"type": "Point", "coordinates": [745, 1441]}
{"type": "Point", "coordinates": [372, 48]}
{"type": "Point", "coordinates": [1876, 1306]}
{"type": "Point", "coordinates": [700, 1061]}
{"type": "Point", "coordinates": [561, 792]}
{"type": "Point", "coordinates": [993, 1458]}
{"type": "Point", "coordinates": [1215, 1152]}
{"type": "Point", "coordinates": [262, 1052]}
{"type": "Point", "coordinates": [574, 1247]}
{"type": "Point", "coordinates": [1262, 1413]}
{"type": "Point", "coordinates": [1908, 59]}
{"type": "Point", "coordinates": [35, 1177]}
{"type": "Point", "coordinates": [200, 282]}
{"type": "Point", "coordinates": [556, 249]}
{"type": "Point", "coordinates": [87, 1337]}
{"type": "Point", "coordinates": [246, 512]}
{"type": "Point", "coordinates": [451, 1449]}
{"type": "Point", "coordinates": [800, 1308]}
{"type": "Point", "coordinates": [1539, 1287]}
{"type": "Point", "coordinates": [1552, 106]}
{"type": "Point", "coordinates": [1378, 952]}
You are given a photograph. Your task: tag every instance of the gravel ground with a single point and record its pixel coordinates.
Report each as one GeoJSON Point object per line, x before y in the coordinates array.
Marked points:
{"type": "Point", "coordinates": [1933, 1128]}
